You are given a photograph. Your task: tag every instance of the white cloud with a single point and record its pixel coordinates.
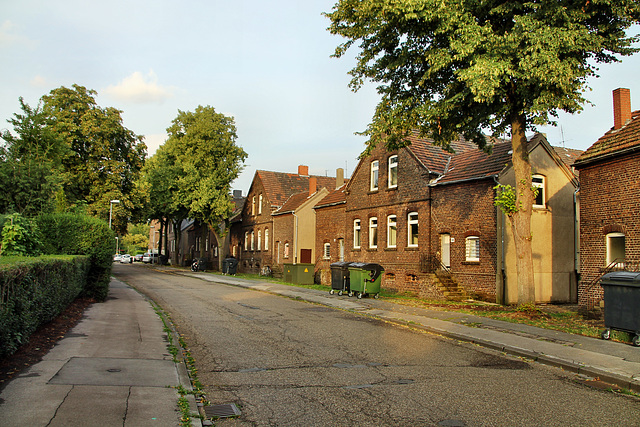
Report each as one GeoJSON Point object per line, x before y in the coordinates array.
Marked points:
{"type": "Point", "coordinates": [9, 36]}
{"type": "Point", "coordinates": [140, 89]}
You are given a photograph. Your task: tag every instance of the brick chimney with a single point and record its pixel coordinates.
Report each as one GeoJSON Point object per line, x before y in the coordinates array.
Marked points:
{"type": "Point", "coordinates": [303, 170]}
{"type": "Point", "coordinates": [313, 185]}
{"type": "Point", "coordinates": [339, 177]}
{"type": "Point", "coordinates": [621, 107]}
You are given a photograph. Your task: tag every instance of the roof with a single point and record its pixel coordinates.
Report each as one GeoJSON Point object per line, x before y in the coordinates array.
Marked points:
{"type": "Point", "coordinates": [294, 202]}
{"type": "Point", "coordinates": [435, 158]}
{"type": "Point", "coordinates": [614, 142]}
{"type": "Point", "coordinates": [568, 155]}
{"type": "Point", "coordinates": [477, 164]}
{"type": "Point", "coordinates": [279, 186]}
{"type": "Point", "coordinates": [336, 197]}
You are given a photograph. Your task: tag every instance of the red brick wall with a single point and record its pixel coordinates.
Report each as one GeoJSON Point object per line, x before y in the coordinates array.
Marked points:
{"type": "Point", "coordinates": [330, 227]}
{"type": "Point", "coordinates": [609, 202]}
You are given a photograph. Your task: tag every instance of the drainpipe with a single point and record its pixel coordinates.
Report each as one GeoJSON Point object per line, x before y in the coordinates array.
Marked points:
{"type": "Point", "coordinates": [576, 238]}
{"type": "Point", "coordinates": [500, 220]}
{"type": "Point", "coordinates": [295, 238]}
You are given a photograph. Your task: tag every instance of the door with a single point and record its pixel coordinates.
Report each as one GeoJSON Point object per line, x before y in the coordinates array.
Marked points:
{"type": "Point", "coordinates": [445, 250]}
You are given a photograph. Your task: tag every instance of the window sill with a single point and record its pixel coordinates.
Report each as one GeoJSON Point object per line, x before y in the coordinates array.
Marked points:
{"type": "Point", "coordinates": [470, 262]}
{"type": "Point", "coordinates": [372, 249]}
{"type": "Point", "coordinates": [390, 249]}
{"type": "Point", "coordinates": [411, 248]}
{"type": "Point", "coordinates": [376, 191]}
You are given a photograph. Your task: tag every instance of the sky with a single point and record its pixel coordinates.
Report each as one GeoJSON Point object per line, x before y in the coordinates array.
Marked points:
{"type": "Point", "coordinates": [267, 64]}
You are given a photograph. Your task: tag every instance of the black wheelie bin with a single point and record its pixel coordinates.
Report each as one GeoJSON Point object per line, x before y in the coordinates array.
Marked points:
{"type": "Point", "coordinates": [622, 303]}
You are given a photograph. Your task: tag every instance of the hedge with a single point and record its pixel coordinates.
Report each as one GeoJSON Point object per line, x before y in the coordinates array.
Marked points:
{"type": "Point", "coordinates": [33, 291]}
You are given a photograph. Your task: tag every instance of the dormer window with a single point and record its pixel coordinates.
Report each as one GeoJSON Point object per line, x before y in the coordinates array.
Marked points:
{"type": "Point", "coordinates": [393, 172]}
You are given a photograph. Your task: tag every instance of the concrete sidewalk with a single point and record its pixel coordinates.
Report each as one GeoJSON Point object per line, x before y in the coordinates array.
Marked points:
{"type": "Point", "coordinates": [113, 368]}
{"type": "Point", "coordinates": [611, 362]}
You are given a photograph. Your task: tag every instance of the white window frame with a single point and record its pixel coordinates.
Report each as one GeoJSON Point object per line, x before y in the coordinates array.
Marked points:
{"type": "Point", "coordinates": [266, 239]}
{"type": "Point", "coordinates": [412, 220]}
{"type": "Point", "coordinates": [373, 232]}
{"type": "Point", "coordinates": [375, 175]}
{"type": "Point", "coordinates": [392, 231]}
{"type": "Point", "coordinates": [259, 240]}
{"type": "Point", "coordinates": [610, 254]}
{"type": "Point", "coordinates": [326, 251]}
{"type": "Point", "coordinates": [538, 182]}
{"type": "Point", "coordinates": [472, 249]}
{"type": "Point", "coordinates": [286, 250]}
{"type": "Point", "coordinates": [253, 241]}
{"type": "Point", "coordinates": [357, 234]}
{"type": "Point", "coordinates": [253, 205]}
{"type": "Point", "coordinates": [260, 204]}
{"type": "Point", "coordinates": [393, 172]}
{"type": "Point", "coordinates": [246, 241]}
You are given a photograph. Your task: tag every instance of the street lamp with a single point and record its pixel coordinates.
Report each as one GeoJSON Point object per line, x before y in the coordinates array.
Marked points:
{"type": "Point", "coordinates": [153, 244]}
{"type": "Point", "coordinates": [111, 210]}
{"type": "Point", "coordinates": [117, 244]}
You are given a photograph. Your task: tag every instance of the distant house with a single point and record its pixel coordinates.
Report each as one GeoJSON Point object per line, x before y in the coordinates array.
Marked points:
{"type": "Point", "coordinates": [610, 201]}
{"type": "Point", "coordinates": [428, 217]}
{"type": "Point", "coordinates": [264, 235]}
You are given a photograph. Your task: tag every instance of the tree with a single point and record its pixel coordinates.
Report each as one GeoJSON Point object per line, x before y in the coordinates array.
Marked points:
{"type": "Point", "coordinates": [103, 158]}
{"type": "Point", "coordinates": [451, 67]}
{"type": "Point", "coordinates": [29, 163]}
{"type": "Point", "coordinates": [204, 145]}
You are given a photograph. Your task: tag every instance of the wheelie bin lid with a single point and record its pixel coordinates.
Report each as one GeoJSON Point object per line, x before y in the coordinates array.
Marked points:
{"type": "Point", "coordinates": [625, 278]}
{"type": "Point", "coordinates": [375, 269]}
{"type": "Point", "coordinates": [341, 264]}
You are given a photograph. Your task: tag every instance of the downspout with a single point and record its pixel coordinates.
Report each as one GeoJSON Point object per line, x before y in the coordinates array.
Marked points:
{"type": "Point", "coordinates": [500, 220]}
{"type": "Point", "coordinates": [295, 238]}
{"type": "Point", "coordinates": [576, 239]}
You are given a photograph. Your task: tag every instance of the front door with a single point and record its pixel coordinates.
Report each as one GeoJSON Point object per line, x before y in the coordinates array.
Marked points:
{"type": "Point", "coordinates": [445, 250]}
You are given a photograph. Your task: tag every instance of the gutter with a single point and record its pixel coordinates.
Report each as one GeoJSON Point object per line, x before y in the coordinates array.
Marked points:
{"type": "Point", "coordinates": [578, 164]}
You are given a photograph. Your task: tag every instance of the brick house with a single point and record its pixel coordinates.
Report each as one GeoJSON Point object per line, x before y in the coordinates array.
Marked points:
{"type": "Point", "coordinates": [609, 201]}
{"type": "Point", "coordinates": [258, 237]}
{"type": "Point", "coordinates": [428, 217]}
{"type": "Point", "coordinates": [331, 229]}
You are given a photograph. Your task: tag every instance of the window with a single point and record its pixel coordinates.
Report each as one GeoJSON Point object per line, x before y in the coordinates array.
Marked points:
{"type": "Point", "coordinates": [392, 231]}
{"type": "Point", "coordinates": [373, 233]}
{"type": "Point", "coordinates": [327, 251]}
{"type": "Point", "coordinates": [234, 251]}
{"type": "Point", "coordinates": [412, 227]}
{"type": "Point", "coordinates": [259, 240]}
{"type": "Point", "coordinates": [537, 182]}
{"type": "Point", "coordinates": [472, 248]}
{"type": "Point", "coordinates": [253, 241]}
{"type": "Point", "coordinates": [246, 241]}
{"type": "Point", "coordinates": [374, 175]}
{"type": "Point", "coordinates": [356, 233]}
{"type": "Point", "coordinates": [393, 172]}
{"type": "Point", "coordinates": [206, 244]}
{"type": "Point", "coordinates": [286, 250]}
{"type": "Point", "coordinates": [341, 249]}
{"type": "Point", "coordinates": [253, 205]}
{"type": "Point", "coordinates": [260, 204]}
{"type": "Point", "coordinates": [215, 251]}
{"type": "Point", "coordinates": [615, 249]}
{"type": "Point", "coordinates": [266, 239]}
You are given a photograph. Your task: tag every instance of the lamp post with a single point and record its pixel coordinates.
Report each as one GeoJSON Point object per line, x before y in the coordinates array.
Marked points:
{"type": "Point", "coordinates": [117, 244]}
{"type": "Point", "coordinates": [153, 244]}
{"type": "Point", "coordinates": [111, 210]}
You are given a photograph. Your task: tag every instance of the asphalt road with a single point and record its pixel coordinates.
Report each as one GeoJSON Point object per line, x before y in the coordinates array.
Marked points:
{"type": "Point", "coordinates": [291, 363]}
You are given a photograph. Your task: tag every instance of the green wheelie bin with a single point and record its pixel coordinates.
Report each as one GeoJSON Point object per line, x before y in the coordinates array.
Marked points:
{"type": "Point", "coordinates": [365, 278]}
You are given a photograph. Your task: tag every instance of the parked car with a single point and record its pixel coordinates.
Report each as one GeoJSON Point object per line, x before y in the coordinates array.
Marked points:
{"type": "Point", "coordinates": [138, 257]}
{"type": "Point", "coordinates": [150, 258]}
{"type": "Point", "coordinates": [117, 257]}
{"type": "Point", "coordinates": [126, 259]}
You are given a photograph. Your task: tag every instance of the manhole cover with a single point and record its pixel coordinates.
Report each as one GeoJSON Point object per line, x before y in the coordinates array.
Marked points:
{"type": "Point", "coordinates": [222, 411]}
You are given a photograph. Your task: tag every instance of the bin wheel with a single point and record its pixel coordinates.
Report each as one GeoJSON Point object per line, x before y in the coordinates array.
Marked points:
{"type": "Point", "coordinates": [606, 334]}
{"type": "Point", "coordinates": [340, 293]}
{"type": "Point", "coordinates": [331, 292]}
{"type": "Point", "coordinates": [350, 294]}
{"type": "Point", "coordinates": [376, 296]}
{"type": "Point", "coordinates": [636, 340]}
{"type": "Point", "coordinates": [360, 295]}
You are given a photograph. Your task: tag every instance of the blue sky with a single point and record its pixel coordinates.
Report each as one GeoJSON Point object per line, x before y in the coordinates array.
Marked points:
{"type": "Point", "coordinates": [267, 64]}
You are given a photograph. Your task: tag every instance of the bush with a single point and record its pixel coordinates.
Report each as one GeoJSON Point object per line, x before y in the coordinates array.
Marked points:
{"type": "Point", "coordinates": [18, 236]}
{"type": "Point", "coordinates": [73, 234]}
{"type": "Point", "coordinates": [33, 291]}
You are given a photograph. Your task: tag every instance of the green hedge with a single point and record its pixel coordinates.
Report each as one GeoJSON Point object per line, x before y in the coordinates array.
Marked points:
{"type": "Point", "coordinates": [33, 291]}
{"type": "Point", "coordinates": [81, 235]}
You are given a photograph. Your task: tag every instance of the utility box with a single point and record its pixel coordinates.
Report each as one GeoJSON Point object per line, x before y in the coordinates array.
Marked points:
{"type": "Point", "coordinates": [622, 303]}
{"type": "Point", "coordinates": [300, 274]}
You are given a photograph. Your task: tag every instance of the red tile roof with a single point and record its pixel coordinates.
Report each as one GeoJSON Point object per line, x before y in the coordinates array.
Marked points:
{"type": "Point", "coordinates": [614, 142]}
{"type": "Point", "coordinates": [279, 186]}
{"type": "Point", "coordinates": [435, 158]}
{"type": "Point", "coordinates": [476, 164]}
{"type": "Point", "coordinates": [293, 203]}
{"type": "Point", "coordinates": [335, 197]}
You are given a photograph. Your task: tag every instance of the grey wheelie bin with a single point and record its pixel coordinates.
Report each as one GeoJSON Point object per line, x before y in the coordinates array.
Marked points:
{"type": "Point", "coordinates": [365, 278]}
{"type": "Point", "coordinates": [340, 277]}
{"type": "Point", "coordinates": [229, 266]}
{"type": "Point", "coordinates": [622, 303]}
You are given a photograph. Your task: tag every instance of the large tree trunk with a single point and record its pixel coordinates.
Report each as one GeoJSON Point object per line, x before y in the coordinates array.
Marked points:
{"type": "Point", "coordinates": [521, 219]}
{"type": "Point", "coordinates": [223, 239]}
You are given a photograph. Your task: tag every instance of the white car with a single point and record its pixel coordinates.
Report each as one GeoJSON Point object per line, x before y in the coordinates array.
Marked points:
{"type": "Point", "coordinates": [117, 257]}
{"type": "Point", "coordinates": [126, 259]}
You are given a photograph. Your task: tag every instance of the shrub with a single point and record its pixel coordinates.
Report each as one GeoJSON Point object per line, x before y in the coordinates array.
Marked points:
{"type": "Point", "coordinates": [18, 236]}
{"type": "Point", "coordinates": [33, 291]}
{"type": "Point", "coordinates": [75, 234]}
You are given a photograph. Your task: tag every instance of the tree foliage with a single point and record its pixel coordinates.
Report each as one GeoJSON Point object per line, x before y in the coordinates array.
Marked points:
{"type": "Point", "coordinates": [463, 67]}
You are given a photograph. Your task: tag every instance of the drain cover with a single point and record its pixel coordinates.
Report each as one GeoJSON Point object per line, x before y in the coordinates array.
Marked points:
{"type": "Point", "coordinates": [222, 411]}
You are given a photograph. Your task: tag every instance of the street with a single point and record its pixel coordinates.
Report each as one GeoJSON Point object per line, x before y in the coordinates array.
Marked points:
{"type": "Point", "coordinates": [292, 363]}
